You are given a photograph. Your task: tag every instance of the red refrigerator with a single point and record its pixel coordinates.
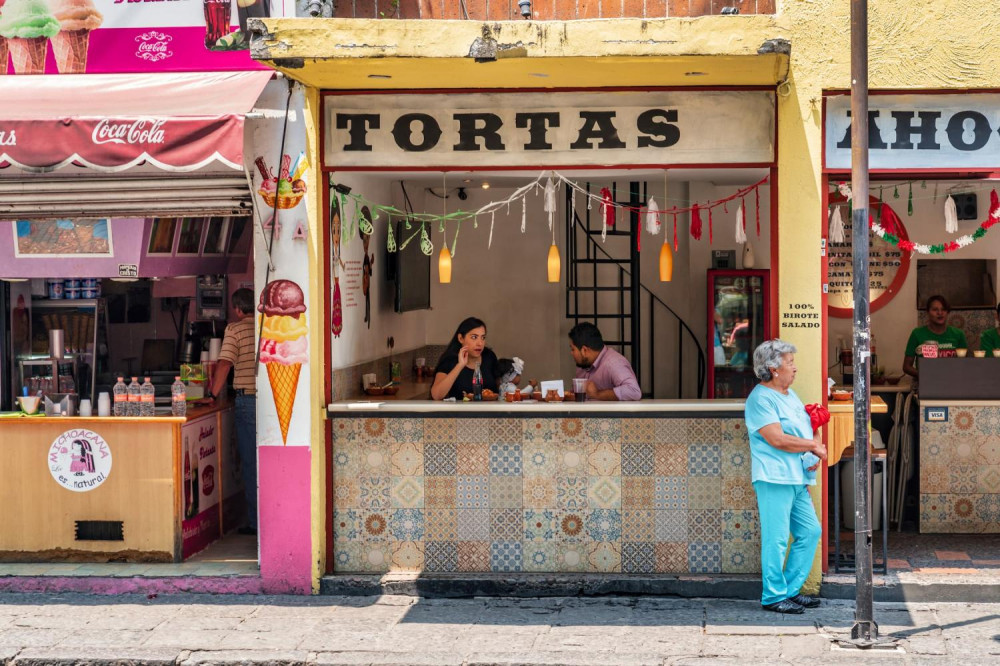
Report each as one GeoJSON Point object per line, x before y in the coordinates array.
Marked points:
{"type": "Point", "coordinates": [738, 320]}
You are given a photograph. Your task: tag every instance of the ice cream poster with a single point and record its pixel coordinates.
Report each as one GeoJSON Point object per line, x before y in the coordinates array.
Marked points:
{"type": "Point", "coordinates": [108, 36]}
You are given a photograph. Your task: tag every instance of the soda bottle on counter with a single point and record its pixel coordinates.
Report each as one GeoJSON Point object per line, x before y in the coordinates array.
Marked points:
{"type": "Point", "coordinates": [178, 398]}
{"type": "Point", "coordinates": [121, 398]}
{"type": "Point", "coordinates": [147, 398]}
{"type": "Point", "coordinates": [194, 483]}
{"type": "Point", "coordinates": [477, 384]}
{"type": "Point", "coordinates": [134, 397]}
{"type": "Point", "coordinates": [187, 478]}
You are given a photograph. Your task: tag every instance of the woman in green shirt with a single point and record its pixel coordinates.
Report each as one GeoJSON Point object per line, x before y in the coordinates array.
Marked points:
{"type": "Point", "coordinates": [936, 330]}
{"type": "Point", "coordinates": [990, 339]}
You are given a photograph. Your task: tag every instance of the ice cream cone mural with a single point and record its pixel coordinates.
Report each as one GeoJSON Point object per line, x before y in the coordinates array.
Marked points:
{"type": "Point", "coordinates": [284, 344]}
{"type": "Point", "coordinates": [76, 20]}
{"type": "Point", "coordinates": [27, 26]}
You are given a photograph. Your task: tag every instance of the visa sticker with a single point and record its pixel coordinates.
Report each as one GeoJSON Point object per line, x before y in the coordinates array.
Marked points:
{"type": "Point", "coordinates": [936, 414]}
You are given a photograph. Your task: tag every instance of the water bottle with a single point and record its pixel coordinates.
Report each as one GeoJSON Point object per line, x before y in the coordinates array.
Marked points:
{"type": "Point", "coordinates": [121, 398]}
{"type": "Point", "coordinates": [477, 384]}
{"type": "Point", "coordinates": [134, 397]}
{"type": "Point", "coordinates": [147, 398]}
{"type": "Point", "coordinates": [178, 398]}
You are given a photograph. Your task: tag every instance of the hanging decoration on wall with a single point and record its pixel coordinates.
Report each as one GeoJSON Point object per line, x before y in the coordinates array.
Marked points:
{"type": "Point", "coordinates": [741, 231]}
{"type": "Point", "coordinates": [949, 246]}
{"type": "Point", "coordinates": [950, 215]}
{"type": "Point", "coordinates": [609, 209]}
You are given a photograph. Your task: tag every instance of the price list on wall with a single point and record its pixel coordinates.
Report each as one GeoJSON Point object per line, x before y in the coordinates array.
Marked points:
{"type": "Point", "coordinates": [885, 262]}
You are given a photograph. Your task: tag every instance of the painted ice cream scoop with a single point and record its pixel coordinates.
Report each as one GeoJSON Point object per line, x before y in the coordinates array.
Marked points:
{"type": "Point", "coordinates": [76, 14]}
{"type": "Point", "coordinates": [282, 297]}
{"type": "Point", "coordinates": [27, 19]}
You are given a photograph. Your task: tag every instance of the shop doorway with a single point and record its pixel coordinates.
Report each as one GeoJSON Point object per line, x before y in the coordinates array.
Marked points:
{"type": "Point", "coordinates": [938, 507]}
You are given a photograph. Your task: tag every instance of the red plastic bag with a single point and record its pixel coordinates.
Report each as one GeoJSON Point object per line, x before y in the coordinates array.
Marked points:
{"type": "Point", "coordinates": [819, 416]}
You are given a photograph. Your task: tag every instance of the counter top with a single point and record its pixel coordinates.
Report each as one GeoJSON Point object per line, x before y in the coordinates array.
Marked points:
{"type": "Point", "coordinates": [700, 407]}
{"type": "Point", "coordinates": [194, 412]}
{"type": "Point", "coordinates": [958, 403]}
{"type": "Point", "coordinates": [878, 406]}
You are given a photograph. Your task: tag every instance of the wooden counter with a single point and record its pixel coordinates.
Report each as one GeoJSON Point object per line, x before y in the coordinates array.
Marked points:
{"type": "Point", "coordinates": [840, 431]}
{"type": "Point", "coordinates": [95, 488]}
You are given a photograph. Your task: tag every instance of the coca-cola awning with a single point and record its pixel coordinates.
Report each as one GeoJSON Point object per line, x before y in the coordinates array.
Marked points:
{"type": "Point", "coordinates": [110, 123]}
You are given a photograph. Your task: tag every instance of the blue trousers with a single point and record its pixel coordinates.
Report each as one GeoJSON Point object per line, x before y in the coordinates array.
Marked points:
{"type": "Point", "coordinates": [246, 444]}
{"type": "Point", "coordinates": [785, 511]}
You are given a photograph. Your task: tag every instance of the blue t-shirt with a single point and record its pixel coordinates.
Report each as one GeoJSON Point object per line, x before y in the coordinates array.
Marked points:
{"type": "Point", "coordinates": [765, 406]}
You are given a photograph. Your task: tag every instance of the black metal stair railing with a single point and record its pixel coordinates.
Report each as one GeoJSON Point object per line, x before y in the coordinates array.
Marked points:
{"type": "Point", "coordinates": [586, 274]}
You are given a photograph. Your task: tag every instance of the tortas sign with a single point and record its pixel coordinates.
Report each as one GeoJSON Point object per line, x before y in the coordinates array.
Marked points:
{"type": "Point", "coordinates": [80, 460]}
{"type": "Point", "coordinates": [552, 129]}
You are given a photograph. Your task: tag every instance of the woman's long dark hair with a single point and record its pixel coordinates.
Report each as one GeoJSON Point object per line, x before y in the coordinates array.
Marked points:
{"type": "Point", "coordinates": [463, 329]}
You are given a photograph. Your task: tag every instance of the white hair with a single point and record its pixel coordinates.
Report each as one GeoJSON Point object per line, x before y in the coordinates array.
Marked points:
{"type": "Point", "coordinates": [768, 357]}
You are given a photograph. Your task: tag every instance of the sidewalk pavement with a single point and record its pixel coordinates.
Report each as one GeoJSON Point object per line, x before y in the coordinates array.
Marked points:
{"type": "Point", "coordinates": [397, 631]}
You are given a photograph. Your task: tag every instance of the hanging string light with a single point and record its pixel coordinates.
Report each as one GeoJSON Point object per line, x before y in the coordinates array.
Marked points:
{"type": "Point", "coordinates": [666, 254]}
{"type": "Point", "coordinates": [444, 258]}
{"type": "Point", "coordinates": [554, 264]}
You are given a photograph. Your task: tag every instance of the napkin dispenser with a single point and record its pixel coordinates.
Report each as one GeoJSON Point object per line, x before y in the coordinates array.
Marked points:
{"type": "Point", "coordinates": [61, 404]}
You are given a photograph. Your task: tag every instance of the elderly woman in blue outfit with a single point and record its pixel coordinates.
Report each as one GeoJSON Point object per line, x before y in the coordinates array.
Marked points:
{"type": "Point", "coordinates": [780, 433]}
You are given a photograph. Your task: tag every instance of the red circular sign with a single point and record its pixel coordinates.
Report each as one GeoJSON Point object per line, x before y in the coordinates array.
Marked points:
{"type": "Point", "coordinates": [887, 264]}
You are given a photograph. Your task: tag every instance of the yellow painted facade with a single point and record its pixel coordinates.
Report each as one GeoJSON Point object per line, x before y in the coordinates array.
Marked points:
{"type": "Point", "coordinates": [941, 45]}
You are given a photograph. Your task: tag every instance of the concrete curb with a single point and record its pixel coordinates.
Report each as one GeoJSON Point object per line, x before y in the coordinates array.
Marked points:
{"type": "Point", "coordinates": [542, 585]}
{"type": "Point", "coordinates": [918, 592]}
{"type": "Point", "coordinates": [65, 656]}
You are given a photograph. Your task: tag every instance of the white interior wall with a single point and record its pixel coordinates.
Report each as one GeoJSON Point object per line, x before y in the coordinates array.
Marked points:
{"type": "Point", "coordinates": [892, 324]}
{"type": "Point", "coordinates": [360, 342]}
{"type": "Point", "coordinates": [505, 284]}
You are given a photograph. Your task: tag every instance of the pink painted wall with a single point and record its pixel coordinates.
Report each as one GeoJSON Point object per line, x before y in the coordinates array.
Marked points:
{"type": "Point", "coordinates": [284, 479]}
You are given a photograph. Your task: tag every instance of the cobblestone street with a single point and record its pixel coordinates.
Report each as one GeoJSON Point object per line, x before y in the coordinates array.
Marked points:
{"type": "Point", "coordinates": [609, 631]}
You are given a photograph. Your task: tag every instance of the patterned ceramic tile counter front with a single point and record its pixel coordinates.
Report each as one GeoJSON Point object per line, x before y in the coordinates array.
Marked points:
{"type": "Point", "coordinates": [960, 466]}
{"type": "Point", "coordinates": [651, 487]}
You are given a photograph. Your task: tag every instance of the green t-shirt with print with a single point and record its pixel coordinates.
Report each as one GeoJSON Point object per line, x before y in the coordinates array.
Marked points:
{"type": "Point", "coordinates": [989, 341]}
{"type": "Point", "coordinates": [952, 338]}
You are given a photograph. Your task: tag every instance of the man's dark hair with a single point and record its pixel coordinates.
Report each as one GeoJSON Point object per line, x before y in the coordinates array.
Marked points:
{"type": "Point", "coordinates": [938, 298]}
{"type": "Point", "coordinates": [586, 334]}
{"type": "Point", "coordinates": [243, 300]}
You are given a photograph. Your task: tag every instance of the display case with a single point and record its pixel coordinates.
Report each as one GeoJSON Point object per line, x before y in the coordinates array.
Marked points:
{"type": "Point", "coordinates": [84, 323]}
{"type": "Point", "coordinates": [738, 321]}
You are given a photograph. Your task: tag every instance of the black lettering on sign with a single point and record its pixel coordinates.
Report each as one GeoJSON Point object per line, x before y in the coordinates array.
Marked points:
{"type": "Point", "coordinates": [657, 123]}
{"type": "Point", "coordinates": [597, 126]}
{"type": "Point", "coordinates": [927, 130]}
{"type": "Point", "coordinates": [875, 141]}
{"type": "Point", "coordinates": [357, 125]}
{"type": "Point", "coordinates": [537, 124]}
{"type": "Point", "coordinates": [980, 130]}
{"type": "Point", "coordinates": [469, 130]}
{"type": "Point", "coordinates": [402, 132]}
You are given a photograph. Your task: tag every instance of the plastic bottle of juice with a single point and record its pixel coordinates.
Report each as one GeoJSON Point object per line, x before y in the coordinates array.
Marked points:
{"type": "Point", "coordinates": [178, 398]}
{"type": "Point", "coordinates": [134, 397]}
{"type": "Point", "coordinates": [147, 398]}
{"type": "Point", "coordinates": [121, 398]}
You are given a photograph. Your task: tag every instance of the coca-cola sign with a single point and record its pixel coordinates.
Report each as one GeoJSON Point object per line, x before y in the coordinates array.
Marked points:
{"type": "Point", "coordinates": [131, 132]}
{"type": "Point", "coordinates": [154, 46]}
{"type": "Point", "coordinates": [174, 144]}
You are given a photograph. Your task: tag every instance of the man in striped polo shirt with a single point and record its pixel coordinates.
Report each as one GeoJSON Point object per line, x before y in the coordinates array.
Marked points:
{"type": "Point", "coordinates": [238, 354]}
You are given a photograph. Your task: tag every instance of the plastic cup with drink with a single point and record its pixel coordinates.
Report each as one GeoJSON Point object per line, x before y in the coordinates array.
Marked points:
{"type": "Point", "coordinates": [580, 389]}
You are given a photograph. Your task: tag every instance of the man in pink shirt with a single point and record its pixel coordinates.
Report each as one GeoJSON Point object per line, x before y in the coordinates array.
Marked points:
{"type": "Point", "coordinates": [609, 374]}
